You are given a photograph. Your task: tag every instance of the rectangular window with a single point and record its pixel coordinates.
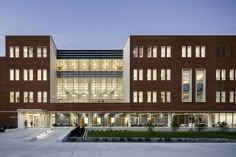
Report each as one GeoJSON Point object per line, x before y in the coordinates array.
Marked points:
{"type": "Point", "coordinates": [17, 51]}
{"type": "Point", "coordinates": [168, 97]}
{"type": "Point", "coordinates": [135, 52]}
{"type": "Point", "coordinates": [30, 51]}
{"type": "Point", "coordinates": [135, 74]}
{"type": "Point", "coordinates": [11, 49]}
{"type": "Point", "coordinates": [168, 74]}
{"type": "Point", "coordinates": [203, 54]}
{"type": "Point", "coordinates": [140, 52]}
{"type": "Point", "coordinates": [25, 97]}
{"type": "Point", "coordinates": [154, 74]}
{"type": "Point", "coordinates": [163, 95]}
{"type": "Point", "coordinates": [45, 52]}
{"type": "Point", "coordinates": [25, 51]}
{"type": "Point", "coordinates": [149, 74]}
{"type": "Point", "coordinates": [168, 52]}
{"type": "Point", "coordinates": [218, 74]}
{"type": "Point", "coordinates": [218, 96]}
{"type": "Point", "coordinates": [140, 97]}
{"type": "Point", "coordinates": [31, 74]}
{"type": "Point", "coordinates": [12, 75]}
{"type": "Point", "coordinates": [197, 51]}
{"type": "Point", "coordinates": [17, 97]}
{"type": "Point", "coordinates": [140, 74]}
{"type": "Point", "coordinates": [163, 51]}
{"type": "Point", "coordinates": [189, 52]}
{"type": "Point", "coordinates": [223, 96]}
{"type": "Point", "coordinates": [183, 51]}
{"type": "Point", "coordinates": [154, 52]}
{"type": "Point", "coordinates": [39, 96]}
{"type": "Point", "coordinates": [135, 97]}
{"type": "Point", "coordinates": [45, 97]}
{"type": "Point", "coordinates": [186, 85]}
{"type": "Point", "coordinates": [12, 96]}
{"type": "Point", "coordinates": [31, 97]}
{"type": "Point", "coordinates": [223, 74]}
{"type": "Point", "coordinates": [154, 97]}
{"type": "Point", "coordinates": [39, 52]}
{"type": "Point", "coordinates": [149, 52]}
{"type": "Point", "coordinates": [163, 74]}
{"type": "Point", "coordinates": [45, 75]}
{"type": "Point", "coordinates": [232, 74]}
{"type": "Point", "coordinates": [17, 74]}
{"type": "Point", "coordinates": [39, 75]}
{"type": "Point", "coordinates": [25, 75]}
{"type": "Point", "coordinates": [200, 91]}
{"type": "Point", "coordinates": [231, 96]}
{"type": "Point", "coordinates": [149, 97]}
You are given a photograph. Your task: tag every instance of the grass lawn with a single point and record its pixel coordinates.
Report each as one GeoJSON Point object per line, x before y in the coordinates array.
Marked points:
{"type": "Point", "coordinates": [228, 135]}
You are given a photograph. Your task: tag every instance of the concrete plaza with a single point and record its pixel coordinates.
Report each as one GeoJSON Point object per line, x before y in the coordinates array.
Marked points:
{"type": "Point", "coordinates": [14, 143]}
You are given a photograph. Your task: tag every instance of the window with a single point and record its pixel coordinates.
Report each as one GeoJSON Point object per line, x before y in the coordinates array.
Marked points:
{"type": "Point", "coordinates": [12, 95]}
{"type": "Point", "coordinates": [25, 51]}
{"type": "Point", "coordinates": [39, 95]}
{"type": "Point", "coordinates": [186, 51]}
{"type": "Point", "coordinates": [163, 51]}
{"type": "Point", "coordinates": [44, 97]}
{"type": "Point", "coordinates": [45, 52]}
{"type": "Point", "coordinates": [31, 97]}
{"type": "Point", "coordinates": [165, 96]}
{"type": "Point", "coordinates": [186, 85]}
{"type": "Point", "coordinates": [17, 97]}
{"type": "Point", "coordinates": [149, 74]}
{"type": "Point", "coordinates": [12, 75]}
{"type": "Point", "coordinates": [200, 52]}
{"type": "Point", "coordinates": [39, 75]}
{"type": "Point", "coordinates": [17, 52]}
{"type": "Point", "coordinates": [232, 96]}
{"type": "Point", "coordinates": [31, 74]}
{"type": "Point", "coordinates": [140, 97]}
{"type": "Point", "coordinates": [220, 74]}
{"type": "Point", "coordinates": [135, 97]}
{"type": "Point", "coordinates": [25, 75]}
{"type": "Point", "coordinates": [220, 96]}
{"type": "Point", "coordinates": [11, 51]}
{"type": "Point", "coordinates": [39, 52]}
{"type": "Point", "coordinates": [154, 96]}
{"type": "Point", "coordinates": [163, 99]}
{"type": "Point", "coordinates": [154, 74]}
{"type": "Point", "coordinates": [149, 52]}
{"type": "Point", "coordinates": [17, 74]}
{"type": "Point", "coordinates": [45, 75]}
{"type": "Point", "coordinates": [165, 74]}
{"type": "Point", "coordinates": [135, 52]}
{"type": "Point", "coordinates": [140, 52]}
{"type": "Point", "coordinates": [30, 51]}
{"type": "Point", "coordinates": [25, 97]}
{"type": "Point", "coordinates": [168, 55]}
{"type": "Point", "coordinates": [183, 51]}
{"type": "Point", "coordinates": [200, 91]}
{"type": "Point", "coordinates": [135, 74]}
{"type": "Point", "coordinates": [154, 52]}
{"type": "Point", "coordinates": [140, 74]}
{"type": "Point", "coordinates": [149, 97]}
{"type": "Point", "coordinates": [232, 74]}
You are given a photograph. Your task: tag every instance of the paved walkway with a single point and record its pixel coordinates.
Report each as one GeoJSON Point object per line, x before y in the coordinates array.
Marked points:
{"type": "Point", "coordinates": [12, 144]}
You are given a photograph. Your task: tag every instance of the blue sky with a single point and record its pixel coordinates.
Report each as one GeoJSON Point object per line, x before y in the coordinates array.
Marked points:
{"type": "Point", "coordinates": [106, 24]}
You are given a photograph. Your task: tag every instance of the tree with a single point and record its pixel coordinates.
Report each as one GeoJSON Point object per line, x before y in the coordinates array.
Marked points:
{"type": "Point", "coordinates": [175, 123]}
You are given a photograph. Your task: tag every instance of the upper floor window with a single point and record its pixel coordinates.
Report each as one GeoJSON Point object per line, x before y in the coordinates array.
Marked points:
{"type": "Point", "coordinates": [14, 74]}
{"type": "Point", "coordinates": [200, 51]}
{"type": "Point", "coordinates": [26, 97]}
{"type": "Point", "coordinates": [39, 52]}
{"type": "Point", "coordinates": [186, 51]}
{"type": "Point", "coordinates": [14, 51]}
{"type": "Point", "coordinates": [220, 96]}
{"type": "Point", "coordinates": [165, 96]}
{"type": "Point", "coordinates": [31, 97]}
{"type": "Point", "coordinates": [165, 51]}
{"type": "Point", "coordinates": [25, 75]}
{"type": "Point", "coordinates": [186, 85]}
{"type": "Point", "coordinates": [14, 97]}
{"type": "Point", "coordinates": [220, 74]}
{"type": "Point", "coordinates": [138, 52]}
{"type": "Point", "coordinates": [11, 50]}
{"type": "Point", "coordinates": [200, 93]}
{"type": "Point", "coordinates": [149, 74]}
{"type": "Point", "coordinates": [17, 52]}
{"type": "Point", "coordinates": [135, 74]}
{"type": "Point", "coordinates": [45, 97]}
{"type": "Point", "coordinates": [39, 75]}
{"type": "Point", "coordinates": [31, 74]}
{"type": "Point", "coordinates": [45, 52]}
{"type": "Point", "coordinates": [31, 52]}
{"type": "Point", "coordinates": [232, 96]}
{"type": "Point", "coordinates": [39, 95]}
{"type": "Point", "coordinates": [25, 51]}
{"type": "Point", "coordinates": [165, 74]}
{"type": "Point", "coordinates": [151, 51]}
{"type": "Point", "coordinates": [232, 74]}
{"type": "Point", "coordinates": [45, 75]}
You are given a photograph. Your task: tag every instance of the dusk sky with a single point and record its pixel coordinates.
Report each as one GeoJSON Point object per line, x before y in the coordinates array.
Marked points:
{"type": "Point", "coordinates": [106, 24]}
